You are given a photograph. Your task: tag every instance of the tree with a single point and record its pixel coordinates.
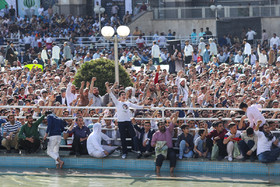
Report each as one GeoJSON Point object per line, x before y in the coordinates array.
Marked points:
{"type": "Point", "coordinates": [103, 70]}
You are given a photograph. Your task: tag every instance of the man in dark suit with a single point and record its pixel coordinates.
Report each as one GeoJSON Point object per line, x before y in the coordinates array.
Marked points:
{"type": "Point", "coordinates": [61, 98]}
{"type": "Point", "coordinates": [23, 58]}
{"type": "Point", "coordinates": [144, 142]}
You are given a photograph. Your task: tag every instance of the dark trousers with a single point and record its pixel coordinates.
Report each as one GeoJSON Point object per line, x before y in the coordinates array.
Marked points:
{"type": "Point", "coordinates": [123, 128]}
{"type": "Point", "coordinates": [79, 147]}
{"type": "Point", "coordinates": [28, 146]}
{"type": "Point", "coordinates": [245, 147]}
{"type": "Point", "coordinates": [188, 59]}
{"type": "Point", "coordinates": [221, 145]}
{"type": "Point", "coordinates": [141, 148]}
{"type": "Point", "coordinates": [269, 156]}
{"type": "Point", "coordinates": [171, 155]}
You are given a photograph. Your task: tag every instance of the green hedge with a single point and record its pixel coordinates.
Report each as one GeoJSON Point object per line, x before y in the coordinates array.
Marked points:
{"type": "Point", "coordinates": [103, 70]}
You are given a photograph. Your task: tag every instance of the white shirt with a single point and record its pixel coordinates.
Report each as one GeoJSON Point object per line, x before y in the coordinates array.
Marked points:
{"type": "Point", "coordinates": [254, 115]}
{"type": "Point", "coordinates": [263, 143]}
{"type": "Point", "coordinates": [247, 49]}
{"type": "Point", "coordinates": [262, 58]}
{"type": "Point", "coordinates": [275, 41]}
{"type": "Point", "coordinates": [55, 52]}
{"type": "Point", "coordinates": [213, 49]}
{"type": "Point", "coordinates": [69, 95]}
{"type": "Point", "coordinates": [161, 40]}
{"type": "Point", "coordinates": [155, 51]}
{"type": "Point", "coordinates": [201, 47]}
{"type": "Point", "coordinates": [123, 111]}
{"type": "Point", "coordinates": [250, 35]}
{"type": "Point", "coordinates": [27, 40]}
{"type": "Point", "coordinates": [188, 50]}
{"type": "Point", "coordinates": [49, 40]}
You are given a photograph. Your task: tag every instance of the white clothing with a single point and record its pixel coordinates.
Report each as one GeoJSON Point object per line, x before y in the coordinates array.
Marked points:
{"type": "Point", "coordinates": [44, 55]}
{"type": "Point", "coordinates": [123, 111]}
{"type": "Point", "coordinates": [188, 50]}
{"type": "Point", "coordinates": [254, 115]}
{"type": "Point", "coordinates": [69, 95]}
{"type": "Point", "coordinates": [155, 51]}
{"type": "Point", "coordinates": [250, 35]}
{"type": "Point", "coordinates": [53, 147]}
{"type": "Point", "coordinates": [201, 48]}
{"type": "Point", "coordinates": [275, 41]}
{"type": "Point", "coordinates": [161, 40]}
{"type": "Point", "coordinates": [213, 49]}
{"type": "Point", "coordinates": [263, 143]}
{"type": "Point", "coordinates": [55, 52]}
{"type": "Point", "coordinates": [94, 146]}
{"type": "Point", "coordinates": [262, 58]}
{"type": "Point", "coordinates": [247, 49]}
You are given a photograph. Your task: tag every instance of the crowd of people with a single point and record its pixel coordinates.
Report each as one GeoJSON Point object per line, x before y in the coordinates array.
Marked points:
{"type": "Point", "coordinates": [204, 76]}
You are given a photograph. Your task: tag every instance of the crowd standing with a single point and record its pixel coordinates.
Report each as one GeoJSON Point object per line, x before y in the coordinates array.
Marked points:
{"type": "Point", "coordinates": [205, 73]}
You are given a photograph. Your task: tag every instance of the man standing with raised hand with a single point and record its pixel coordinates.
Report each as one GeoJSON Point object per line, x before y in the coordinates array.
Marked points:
{"type": "Point", "coordinates": [55, 128]}
{"type": "Point", "coordinates": [123, 117]}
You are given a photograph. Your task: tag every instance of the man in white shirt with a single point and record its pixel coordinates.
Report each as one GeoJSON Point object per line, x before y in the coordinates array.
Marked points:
{"type": "Point", "coordinates": [55, 54]}
{"type": "Point", "coordinates": [213, 47]}
{"type": "Point", "coordinates": [201, 47]}
{"type": "Point", "coordinates": [155, 53]}
{"type": "Point", "coordinates": [250, 36]}
{"type": "Point", "coordinates": [274, 41]}
{"type": "Point", "coordinates": [188, 52]}
{"type": "Point", "coordinates": [253, 114]}
{"type": "Point", "coordinates": [238, 59]}
{"type": "Point", "coordinates": [27, 41]}
{"type": "Point", "coordinates": [123, 117]}
{"type": "Point", "coordinates": [262, 57]}
{"type": "Point", "coordinates": [247, 48]}
{"type": "Point", "coordinates": [265, 152]}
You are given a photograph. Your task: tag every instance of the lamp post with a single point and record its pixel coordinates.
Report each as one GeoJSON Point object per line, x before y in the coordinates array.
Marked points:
{"type": "Point", "coordinates": [108, 32]}
{"type": "Point", "coordinates": [99, 10]}
{"type": "Point", "coordinates": [216, 8]}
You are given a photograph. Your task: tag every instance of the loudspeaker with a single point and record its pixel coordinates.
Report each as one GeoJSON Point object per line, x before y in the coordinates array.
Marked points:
{"type": "Point", "coordinates": [172, 45]}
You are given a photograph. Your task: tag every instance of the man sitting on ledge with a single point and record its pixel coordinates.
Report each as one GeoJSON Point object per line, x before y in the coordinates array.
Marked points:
{"type": "Point", "coordinates": [162, 140]}
{"type": "Point", "coordinates": [29, 135]}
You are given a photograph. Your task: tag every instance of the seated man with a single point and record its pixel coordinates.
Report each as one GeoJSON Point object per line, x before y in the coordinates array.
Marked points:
{"type": "Point", "coordinates": [162, 140]}
{"type": "Point", "coordinates": [144, 143]}
{"type": "Point", "coordinates": [10, 133]}
{"type": "Point", "coordinates": [248, 144]}
{"type": "Point", "coordinates": [218, 135]}
{"type": "Point", "coordinates": [232, 137]}
{"type": "Point", "coordinates": [94, 146]}
{"type": "Point", "coordinates": [200, 148]}
{"type": "Point", "coordinates": [81, 133]}
{"type": "Point", "coordinates": [185, 143]}
{"type": "Point", "coordinates": [265, 152]}
{"type": "Point", "coordinates": [111, 131]}
{"type": "Point", "coordinates": [29, 134]}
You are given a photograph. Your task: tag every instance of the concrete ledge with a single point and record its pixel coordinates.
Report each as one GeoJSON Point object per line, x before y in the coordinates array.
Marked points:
{"type": "Point", "coordinates": [189, 166]}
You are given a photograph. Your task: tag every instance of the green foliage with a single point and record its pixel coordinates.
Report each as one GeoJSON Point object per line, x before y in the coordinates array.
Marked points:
{"type": "Point", "coordinates": [103, 70]}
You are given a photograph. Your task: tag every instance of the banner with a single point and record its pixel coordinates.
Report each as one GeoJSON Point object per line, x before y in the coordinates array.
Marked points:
{"type": "Point", "coordinates": [30, 66]}
{"type": "Point", "coordinates": [9, 3]}
{"type": "Point", "coordinates": [28, 7]}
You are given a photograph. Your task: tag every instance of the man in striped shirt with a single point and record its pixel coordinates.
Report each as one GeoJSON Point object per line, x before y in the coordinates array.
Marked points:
{"type": "Point", "coordinates": [10, 133]}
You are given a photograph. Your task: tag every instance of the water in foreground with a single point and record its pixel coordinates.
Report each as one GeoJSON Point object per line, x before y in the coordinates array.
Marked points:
{"type": "Point", "coordinates": [81, 178]}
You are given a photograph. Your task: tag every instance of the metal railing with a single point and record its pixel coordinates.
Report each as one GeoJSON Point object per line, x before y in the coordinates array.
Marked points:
{"type": "Point", "coordinates": [225, 12]}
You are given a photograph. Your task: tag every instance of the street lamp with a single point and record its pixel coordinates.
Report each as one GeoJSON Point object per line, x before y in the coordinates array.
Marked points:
{"type": "Point", "coordinates": [216, 8]}
{"type": "Point", "coordinates": [108, 32]}
{"type": "Point", "coordinates": [99, 10]}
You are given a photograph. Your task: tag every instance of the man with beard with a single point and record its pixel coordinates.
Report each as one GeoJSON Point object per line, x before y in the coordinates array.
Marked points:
{"type": "Point", "coordinates": [265, 152]}
{"type": "Point", "coordinates": [94, 94]}
{"type": "Point", "coordinates": [123, 117]}
{"type": "Point", "coordinates": [11, 56]}
{"type": "Point", "coordinates": [71, 94]}
{"type": "Point", "coordinates": [162, 140]}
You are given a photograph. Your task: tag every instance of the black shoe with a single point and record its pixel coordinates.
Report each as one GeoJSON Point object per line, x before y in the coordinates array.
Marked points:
{"type": "Point", "coordinates": [139, 155]}
{"type": "Point", "coordinates": [147, 154]}
{"type": "Point", "coordinates": [16, 151]}
{"type": "Point", "coordinates": [78, 154]}
{"type": "Point", "coordinates": [220, 158]}
{"type": "Point", "coordinates": [244, 159]}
